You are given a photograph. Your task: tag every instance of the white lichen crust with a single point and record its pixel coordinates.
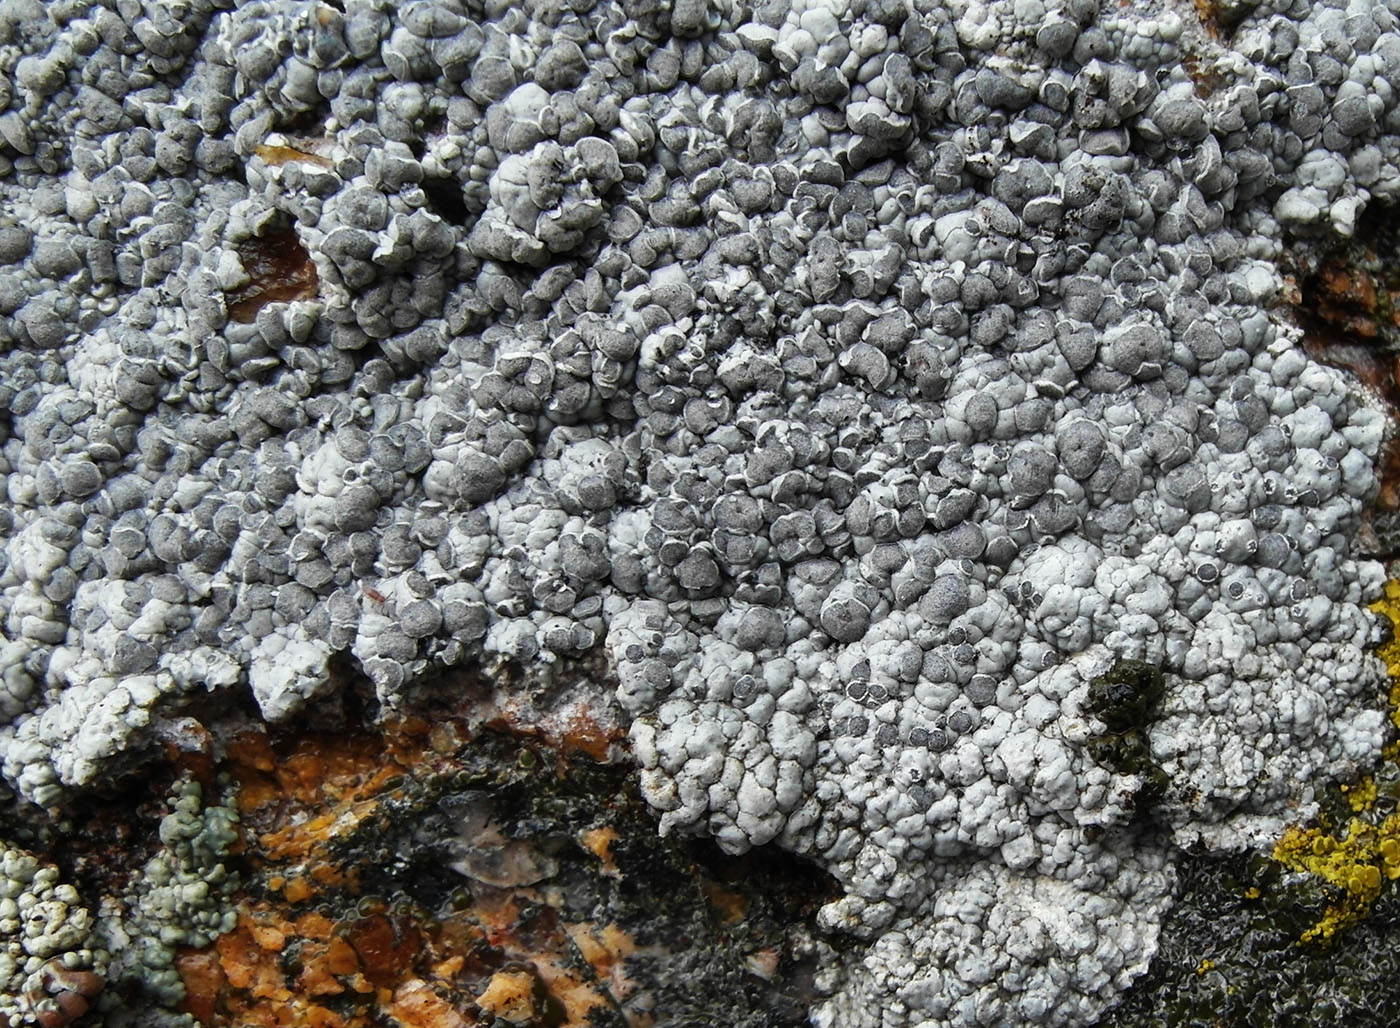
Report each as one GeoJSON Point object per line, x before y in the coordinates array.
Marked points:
{"type": "Point", "coordinates": [866, 378]}
{"type": "Point", "coordinates": [44, 940]}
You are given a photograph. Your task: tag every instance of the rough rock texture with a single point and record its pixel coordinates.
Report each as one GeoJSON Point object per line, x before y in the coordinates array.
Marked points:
{"type": "Point", "coordinates": [865, 381]}
{"type": "Point", "coordinates": [1348, 303]}
{"type": "Point", "coordinates": [1307, 933]}
{"type": "Point", "coordinates": [1229, 955]}
{"type": "Point", "coordinates": [440, 874]}
{"type": "Point", "coordinates": [488, 864]}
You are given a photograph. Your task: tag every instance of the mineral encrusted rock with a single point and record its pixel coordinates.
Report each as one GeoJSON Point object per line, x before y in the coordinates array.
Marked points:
{"type": "Point", "coordinates": [439, 873]}
{"type": "Point", "coordinates": [864, 380]}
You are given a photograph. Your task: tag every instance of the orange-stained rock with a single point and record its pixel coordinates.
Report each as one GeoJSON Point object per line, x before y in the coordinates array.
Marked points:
{"type": "Point", "coordinates": [251, 751]}
{"type": "Point", "coordinates": [510, 995]}
{"type": "Point", "coordinates": [731, 905]}
{"type": "Point", "coordinates": [427, 872]}
{"type": "Point", "coordinates": [606, 949]}
{"type": "Point", "coordinates": [416, 1005]}
{"type": "Point", "coordinates": [267, 936]}
{"type": "Point", "coordinates": [203, 975]}
{"type": "Point", "coordinates": [1348, 303]}
{"type": "Point", "coordinates": [385, 950]}
{"type": "Point", "coordinates": [317, 978]}
{"type": "Point", "coordinates": [341, 958]}
{"type": "Point", "coordinates": [320, 1017]}
{"type": "Point", "coordinates": [598, 841]}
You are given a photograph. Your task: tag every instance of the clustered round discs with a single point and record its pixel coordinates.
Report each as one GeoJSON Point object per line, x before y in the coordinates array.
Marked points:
{"type": "Point", "coordinates": [864, 377]}
{"type": "Point", "coordinates": [47, 959]}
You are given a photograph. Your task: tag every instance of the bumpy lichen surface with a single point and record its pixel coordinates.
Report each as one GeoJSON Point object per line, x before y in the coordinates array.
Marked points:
{"type": "Point", "coordinates": [1308, 933]}
{"type": "Point", "coordinates": [865, 379]}
{"type": "Point", "coordinates": [1355, 858]}
{"type": "Point", "coordinates": [180, 898]}
{"type": "Point", "coordinates": [46, 954]}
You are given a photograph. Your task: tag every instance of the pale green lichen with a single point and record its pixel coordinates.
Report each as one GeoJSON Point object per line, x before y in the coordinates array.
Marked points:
{"type": "Point", "coordinates": [180, 899]}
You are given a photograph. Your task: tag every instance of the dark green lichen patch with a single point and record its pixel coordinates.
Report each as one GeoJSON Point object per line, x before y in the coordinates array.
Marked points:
{"type": "Point", "coordinates": [1229, 956]}
{"type": "Point", "coordinates": [1126, 696]}
{"type": "Point", "coordinates": [1126, 700]}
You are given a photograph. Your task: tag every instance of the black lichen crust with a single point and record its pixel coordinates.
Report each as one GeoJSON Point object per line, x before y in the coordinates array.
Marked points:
{"type": "Point", "coordinates": [1230, 957]}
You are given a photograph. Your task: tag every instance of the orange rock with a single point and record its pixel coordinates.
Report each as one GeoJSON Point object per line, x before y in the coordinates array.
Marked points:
{"type": "Point", "coordinates": [315, 925]}
{"type": "Point", "coordinates": [585, 733]}
{"type": "Point", "coordinates": [268, 937]}
{"type": "Point", "coordinates": [732, 907]}
{"type": "Point", "coordinates": [204, 981]}
{"type": "Point", "coordinates": [239, 966]}
{"type": "Point", "coordinates": [598, 841]}
{"type": "Point", "coordinates": [362, 959]}
{"type": "Point", "coordinates": [510, 995]}
{"type": "Point", "coordinates": [590, 947]}
{"type": "Point", "coordinates": [329, 874]}
{"type": "Point", "coordinates": [384, 950]}
{"type": "Point", "coordinates": [254, 750]}
{"type": "Point", "coordinates": [416, 1005]}
{"type": "Point", "coordinates": [342, 958]}
{"type": "Point", "coordinates": [320, 1017]}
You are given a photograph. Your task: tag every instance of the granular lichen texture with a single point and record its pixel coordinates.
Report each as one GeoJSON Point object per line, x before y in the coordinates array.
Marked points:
{"type": "Point", "coordinates": [859, 387]}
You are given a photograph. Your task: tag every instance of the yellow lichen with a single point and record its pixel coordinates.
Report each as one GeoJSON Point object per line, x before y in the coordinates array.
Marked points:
{"type": "Point", "coordinates": [1353, 867]}
{"type": "Point", "coordinates": [1354, 861]}
{"type": "Point", "coordinates": [1389, 606]}
{"type": "Point", "coordinates": [1361, 796]}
